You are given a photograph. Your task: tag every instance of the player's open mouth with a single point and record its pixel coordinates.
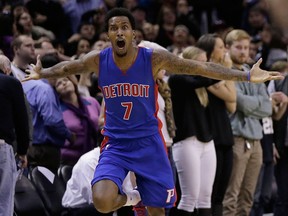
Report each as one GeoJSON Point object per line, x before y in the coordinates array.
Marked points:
{"type": "Point", "coordinates": [120, 43]}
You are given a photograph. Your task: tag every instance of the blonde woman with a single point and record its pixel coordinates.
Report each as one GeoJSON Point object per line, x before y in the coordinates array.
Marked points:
{"type": "Point", "coordinates": [193, 149]}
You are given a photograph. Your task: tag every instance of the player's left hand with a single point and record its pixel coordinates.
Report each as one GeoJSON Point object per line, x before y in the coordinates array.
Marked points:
{"type": "Point", "coordinates": [35, 72]}
{"type": "Point", "coordinates": [257, 75]}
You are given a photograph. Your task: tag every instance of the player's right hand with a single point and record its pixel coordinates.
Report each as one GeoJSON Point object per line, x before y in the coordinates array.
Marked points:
{"type": "Point", "coordinates": [35, 72]}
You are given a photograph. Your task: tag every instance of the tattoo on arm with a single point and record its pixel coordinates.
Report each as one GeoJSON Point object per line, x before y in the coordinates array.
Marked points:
{"type": "Point", "coordinates": [168, 61]}
{"type": "Point", "coordinates": [62, 69]}
{"type": "Point", "coordinates": [87, 64]}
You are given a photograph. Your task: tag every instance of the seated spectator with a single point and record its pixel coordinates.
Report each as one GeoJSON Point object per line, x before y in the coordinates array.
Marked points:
{"type": "Point", "coordinates": [80, 115]}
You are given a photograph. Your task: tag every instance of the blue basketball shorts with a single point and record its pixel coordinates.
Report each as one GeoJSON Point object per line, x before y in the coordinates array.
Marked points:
{"type": "Point", "coordinates": [147, 158]}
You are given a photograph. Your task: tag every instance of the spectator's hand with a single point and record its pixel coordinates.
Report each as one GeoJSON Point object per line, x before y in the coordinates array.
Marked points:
{"type": "Point", "coordinates": [5, 64]}
{"type": "Point", "coordinates": [257, 75]}
{"type": "Point", "coordinates": [227, 62]}
{"type": "Point", "coordinates": [35, 72]}
{"type": "Point", "coordinates": [24, 161]}
{"type": "Point", "coordinates": [279, 97]}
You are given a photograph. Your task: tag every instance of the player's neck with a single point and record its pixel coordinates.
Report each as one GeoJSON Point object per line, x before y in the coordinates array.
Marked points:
{"type": "Point", "coordinates": [125, 62]}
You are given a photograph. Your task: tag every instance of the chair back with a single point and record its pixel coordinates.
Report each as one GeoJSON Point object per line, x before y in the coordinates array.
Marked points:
{"type": "Point", "coordinates": [50, 189]}
{"type": "Point", "coordinates": [27, 200]}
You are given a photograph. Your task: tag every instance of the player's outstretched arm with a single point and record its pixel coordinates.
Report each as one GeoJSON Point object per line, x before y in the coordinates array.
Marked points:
{"type": "Point", "coordinates": [165, 60]}
{"type": "Point", "coordinates": [87, 64]}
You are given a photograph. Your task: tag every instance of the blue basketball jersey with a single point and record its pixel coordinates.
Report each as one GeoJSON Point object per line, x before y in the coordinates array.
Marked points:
{"type": "Point", "coordinates": [132, 130]}
{"type": "Point", "coordinates": [130, 96]}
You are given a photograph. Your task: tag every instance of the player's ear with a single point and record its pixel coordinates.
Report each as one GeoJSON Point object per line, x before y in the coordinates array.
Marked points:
{"type": "Point", "coordinates": [134, 34]}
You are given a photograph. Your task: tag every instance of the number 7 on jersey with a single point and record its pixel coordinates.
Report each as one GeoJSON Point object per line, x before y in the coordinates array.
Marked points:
{"type": "Point", "coordinates": [128, 106]}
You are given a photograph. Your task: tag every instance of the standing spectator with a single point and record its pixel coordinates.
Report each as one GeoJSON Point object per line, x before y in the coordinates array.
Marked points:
{"type": "Point", "coordinates": [263, 191]}
{"type": "Point", "coordinates": [264, 188]}
{"type": "Point", "coordinates": [253, 104]}
{"type": "Point", "coordinates": [50, 131]}
{"type": "Point", "coordinates": [279, 92]}
{"type": "Point", "coordinates": [14, 127]}
{"type": "Point", "coordinates": [80, 115]}
{"type": "Point", "coordinates": [222, 98]}
{"type": "Point", "coordinates": [193, 149]}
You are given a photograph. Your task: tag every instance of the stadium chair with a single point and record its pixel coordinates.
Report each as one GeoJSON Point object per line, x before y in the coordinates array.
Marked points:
{"type": "Point", "coordinates": [27, 201]}
{"type": "Point", "coordinates": [64, 173]}
{"type": "Point", "coordinates": [50, 189]}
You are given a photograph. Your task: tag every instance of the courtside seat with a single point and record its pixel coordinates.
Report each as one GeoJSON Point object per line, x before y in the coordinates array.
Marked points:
{"type": "Point", "coordinates": [27, 201]}
{"type": "Point", "coordinates": [50, 189]}
{"type": "Point", "coordinates": [64, 173]}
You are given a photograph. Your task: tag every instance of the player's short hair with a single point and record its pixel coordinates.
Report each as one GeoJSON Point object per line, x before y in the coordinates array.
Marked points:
{"type": "Point", "coordinates": [115, 12]}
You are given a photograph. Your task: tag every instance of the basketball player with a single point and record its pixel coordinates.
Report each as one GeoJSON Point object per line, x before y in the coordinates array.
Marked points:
{"type": "Point", "coordinates": [133, 141]}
